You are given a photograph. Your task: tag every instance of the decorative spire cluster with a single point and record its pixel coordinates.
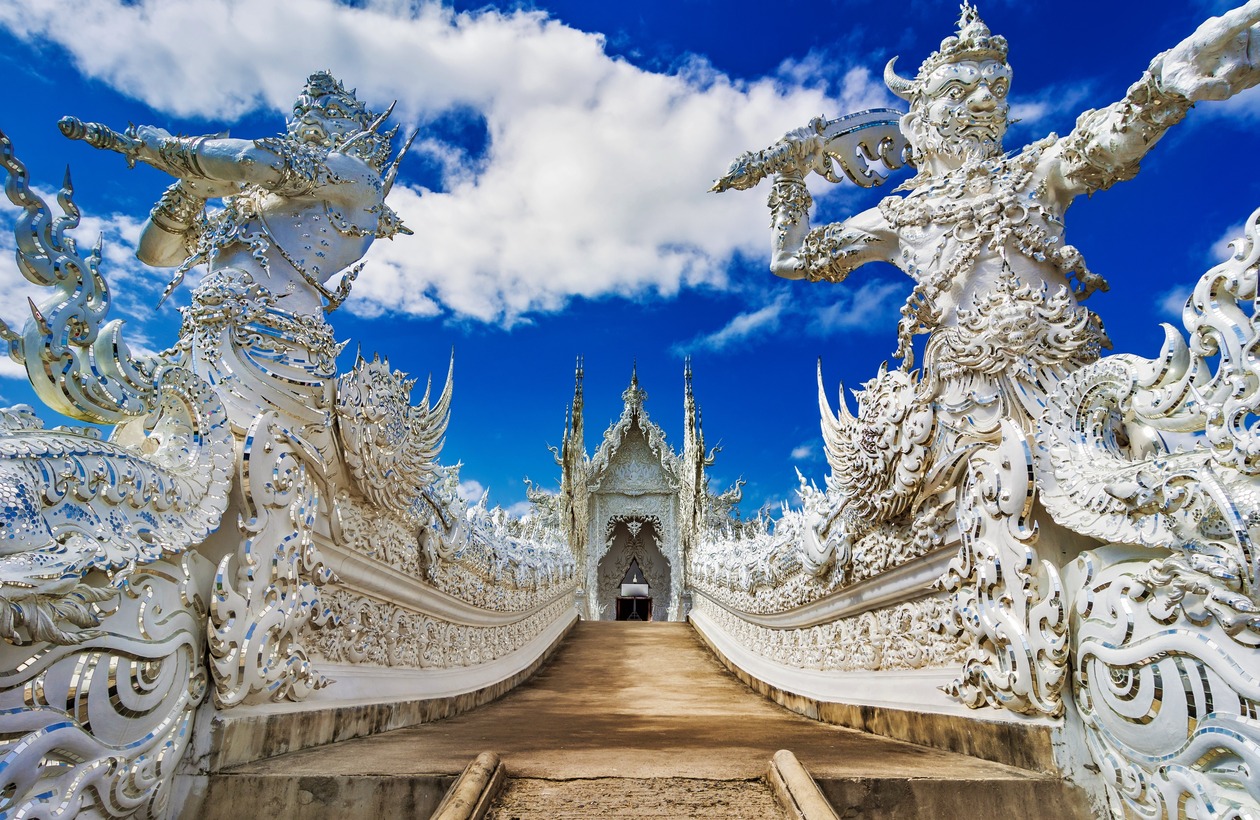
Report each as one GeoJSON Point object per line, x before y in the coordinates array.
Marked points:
{"type": "Point", "coordinates": [973, 41]}
{"type": "Point", "coordinates": [574, 427]}
{"type": "Point", "coordinates": [634, 395]}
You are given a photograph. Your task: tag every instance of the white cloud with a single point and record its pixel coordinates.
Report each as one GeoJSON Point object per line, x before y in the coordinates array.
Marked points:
{"type": "Point", "coordinates": [1244, 106]}
{"type": "Point", "coordinates": [1170, 303]}
{"type": "Point", "coordinates": [595, 180]}
{"type": "Point", "coordinates": [741, 327]}
{"type": "Point", "coordinates": [869, 307]}
{"type": "Point", "coordinates": [1053, 102]}
{"type": "Point", "coordinates": [520, 509]}
{"type": "Point", "coordinates": [10, 369]}
{"type": "Point", "coordinates": [471, 491]}
{"type": "Point", "coordinates": [804, 451]}
{"type": "Point", "coordinates": [872, 307]}
{"type": "Point", "coordinates": [1221, 249]}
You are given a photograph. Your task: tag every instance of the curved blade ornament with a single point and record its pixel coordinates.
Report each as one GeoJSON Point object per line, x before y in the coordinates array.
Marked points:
{"type": "Point", "coordinates": [1006, 599]}
{"type": "Point", "coordinates": [76, 361]}
{"type": "Point", "coordinates": [98, 727]}
{"type": "Point", "coordinates": [854, 141]}
{"type": "Point", "coordinates": [74, 502]}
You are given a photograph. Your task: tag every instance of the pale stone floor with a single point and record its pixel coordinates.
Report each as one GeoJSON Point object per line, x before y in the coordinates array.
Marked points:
{"type": "Point", "coordinates": [642, 714]}
{"type": "Point", "coordinates": [526, 798]}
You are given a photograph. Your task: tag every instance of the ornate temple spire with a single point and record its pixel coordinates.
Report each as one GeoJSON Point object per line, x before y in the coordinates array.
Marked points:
{"type": "Point", "coordinates": [573, 465]}
{"type": "Point", "coordinates": [634, 396]}
{"type": "Point", "coordinates": [579, 432]}
{"type": "Point", "coordinates": [573, 445]}
{"type": "Point", "coordinates": [691, 417]}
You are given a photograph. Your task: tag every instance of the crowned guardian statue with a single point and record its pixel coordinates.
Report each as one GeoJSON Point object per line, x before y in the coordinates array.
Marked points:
{"type": "Point", "coordinates": [981, 233]}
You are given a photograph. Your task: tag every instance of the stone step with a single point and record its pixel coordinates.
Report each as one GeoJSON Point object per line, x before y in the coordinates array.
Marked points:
{"type": "Point", "coordinates": [529, 798]}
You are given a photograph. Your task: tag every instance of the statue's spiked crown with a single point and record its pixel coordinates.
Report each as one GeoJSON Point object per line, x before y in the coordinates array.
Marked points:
{"type": "Point", "coordinates": [323, 84]}
{"type": "Point", "coordinates": [973, 41]}
{"type": "Point", "coordinates": [372, 145]}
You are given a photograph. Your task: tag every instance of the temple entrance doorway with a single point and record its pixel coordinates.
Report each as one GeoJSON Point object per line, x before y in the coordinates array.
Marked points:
{"type": "Point", "coordinates": [634, 603]}
{"type": "Point", "coordinates": [633, 550]}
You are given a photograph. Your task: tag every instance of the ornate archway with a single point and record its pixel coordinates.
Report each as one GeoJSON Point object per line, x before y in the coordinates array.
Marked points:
{"type": "Point", "coordinates": [632, 538]}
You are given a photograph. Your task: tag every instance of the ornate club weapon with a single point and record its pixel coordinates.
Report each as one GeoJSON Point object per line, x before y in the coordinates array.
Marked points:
{"type": "Point", "coordinates": [104, 137]}
{"type": "Point", "coordinates": [854, 140]}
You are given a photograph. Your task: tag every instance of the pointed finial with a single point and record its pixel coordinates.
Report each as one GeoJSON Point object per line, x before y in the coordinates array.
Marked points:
{"type": "Point", "coordinates": [392, 173]}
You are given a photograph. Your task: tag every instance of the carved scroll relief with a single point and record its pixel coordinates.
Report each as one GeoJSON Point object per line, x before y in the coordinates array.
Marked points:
{"type": "Point", "coordinates": [1008, 601]}
{"type": "Point", "coordinates": [1162, 456]}
{"type": "Point", "coordinates": [379, 633]}
{"type": "Point", "coordinates": [896, 637]}
{"type": "Point", "coordinates": [97, 728]}
{"type": "Point", "coordinates": [1169, 693]}
{"type": "Point", "coordinates": [266, 594]}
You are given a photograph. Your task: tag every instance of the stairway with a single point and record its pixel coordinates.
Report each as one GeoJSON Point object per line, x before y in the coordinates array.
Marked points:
{"type": "Point", "coordinates": [636, 719]}
{"type": "Point", "coordinates": [525, 798]}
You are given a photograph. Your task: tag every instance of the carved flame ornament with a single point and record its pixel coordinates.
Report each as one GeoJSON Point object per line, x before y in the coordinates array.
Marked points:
{"type": "Point", "coordinates": [1162, 454]}
{"type": "Point", "coordinates": [391, 447]}
{"type": "Point", "coordinates": [102, 607]}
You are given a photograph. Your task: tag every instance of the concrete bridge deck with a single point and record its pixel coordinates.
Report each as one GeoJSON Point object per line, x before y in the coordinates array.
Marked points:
{"type": "Point", "coordinates": [642, 703]}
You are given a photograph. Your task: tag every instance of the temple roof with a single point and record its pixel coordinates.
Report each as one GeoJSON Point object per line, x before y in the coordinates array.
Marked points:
{"type": "Point", "coordinates": [633, 416]}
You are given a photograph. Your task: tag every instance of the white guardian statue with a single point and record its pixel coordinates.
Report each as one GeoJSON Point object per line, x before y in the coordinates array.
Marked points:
{"type": "Point", "coordinates": [1143, 576]}
{"type": "Point", "coordinates": [184, 555]}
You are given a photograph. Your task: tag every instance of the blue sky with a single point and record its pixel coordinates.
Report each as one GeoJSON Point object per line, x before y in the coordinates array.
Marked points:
{"type": "Point", "coordinates": [558, 189]}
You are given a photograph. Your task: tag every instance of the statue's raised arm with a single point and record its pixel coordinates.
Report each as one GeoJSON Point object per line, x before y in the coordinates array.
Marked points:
{"type": "Point", "coordinates": [975, 220]}
{"type": "Point", "coordinates": [1217, 61]}
{"type": "Point", "coordinates": [299, 208]}
{"type": "Point", "coordinates": [1214, 63]}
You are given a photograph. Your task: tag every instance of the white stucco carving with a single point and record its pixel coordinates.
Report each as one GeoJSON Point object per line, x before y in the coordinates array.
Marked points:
{"type": "Point", "coordinates": [903, 636]}
{"type": "Point", "coordinates": [1126, 616]}
{"type": "Point", "coordinates": [1011, 405]}
{"type": "Point", "coordinates": [241, 432]}
{"type": "Point", "coordinates": [634, 479]}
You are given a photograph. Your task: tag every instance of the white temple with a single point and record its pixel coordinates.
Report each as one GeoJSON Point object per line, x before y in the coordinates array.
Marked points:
{"type": "Point", "coordinates": [636, 499]}
{"type": "Point", "coordinates": [1026, 552]}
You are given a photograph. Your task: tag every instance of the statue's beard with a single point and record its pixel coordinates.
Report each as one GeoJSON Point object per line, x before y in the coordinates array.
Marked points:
{"type": "Point", "coordinates": [963, 150]}
{"type": "Point", "coordinates": [959, 149]}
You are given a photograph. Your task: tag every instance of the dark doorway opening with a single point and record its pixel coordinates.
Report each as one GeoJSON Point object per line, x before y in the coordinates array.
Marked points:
{"type": "Point", "coordinates": [635, 601]}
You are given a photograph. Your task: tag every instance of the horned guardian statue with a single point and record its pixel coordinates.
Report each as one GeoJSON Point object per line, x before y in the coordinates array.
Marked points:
{"type": "Point", "coordinates": [1099, 515]}
{"type": "Point", "coordinates": [981, 232]}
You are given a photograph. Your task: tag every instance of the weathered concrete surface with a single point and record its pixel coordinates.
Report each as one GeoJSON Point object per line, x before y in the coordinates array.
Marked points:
{"type": "Point", "coordinates": [646, 701]}
{"type": "Point", "coordinates": [1017, 744]}
{"type": "Point", "coordinates": [471, 796]}
{"type": "Point", "coordinates": [795, 790]}
{"type": "Point", "coordinates": [609, 797]}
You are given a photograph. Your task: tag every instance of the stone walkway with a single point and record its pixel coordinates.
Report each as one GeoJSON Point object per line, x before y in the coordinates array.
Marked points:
{"type": "Point", "coordinates": [641, 702]}
{"type": "Point", "coordinates": [527, 798]}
